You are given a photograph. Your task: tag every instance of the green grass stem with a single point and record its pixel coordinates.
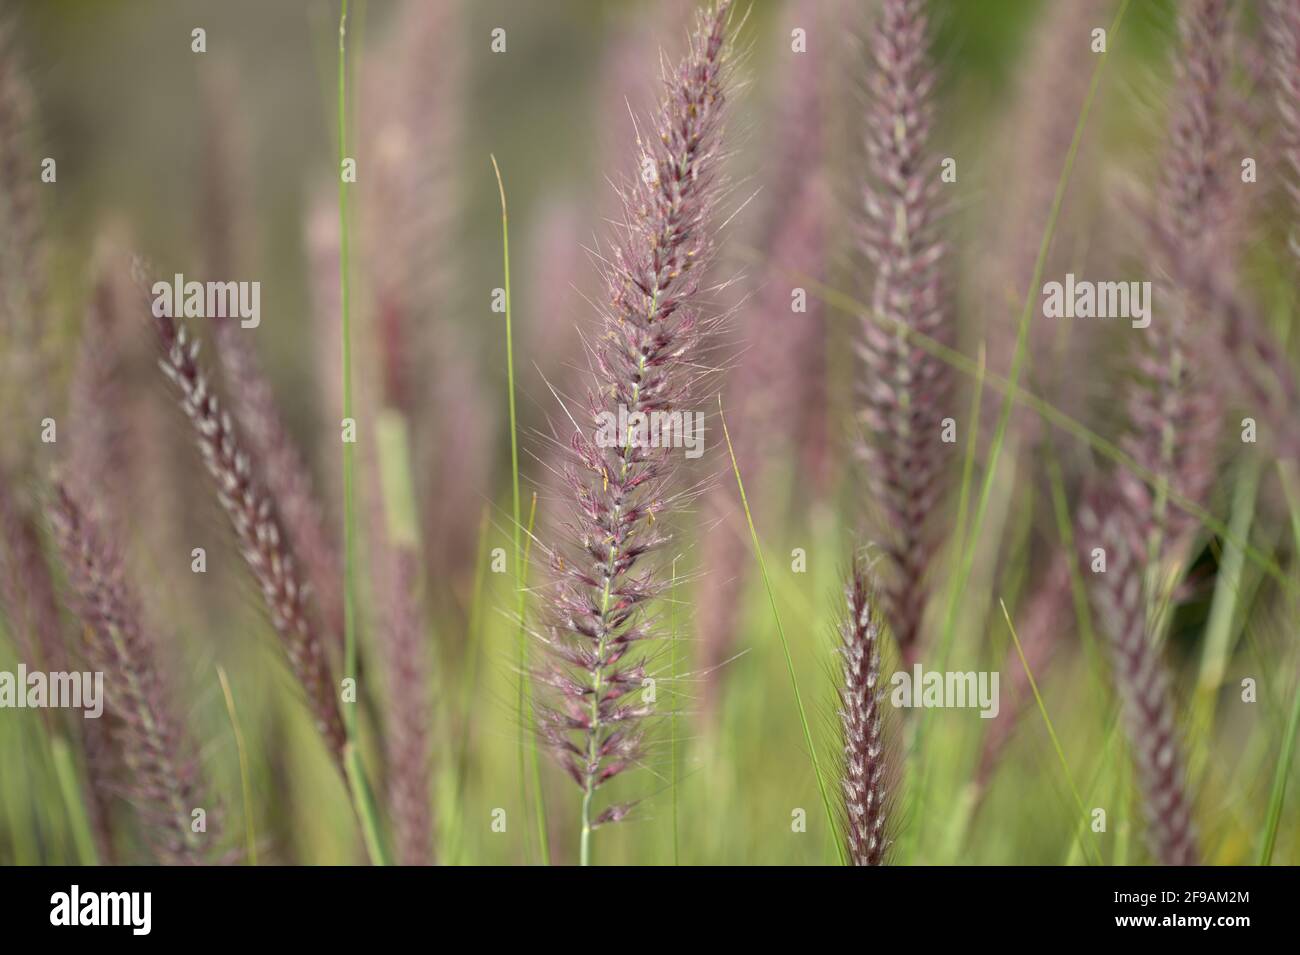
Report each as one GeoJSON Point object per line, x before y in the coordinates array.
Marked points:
{"type": "Point", "coordinates": [785, 644]}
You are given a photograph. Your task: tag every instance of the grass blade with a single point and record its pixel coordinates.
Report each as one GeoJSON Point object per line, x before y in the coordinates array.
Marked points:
{"type": "Point", "coordinates": [65, 771]}
{"type": "Point", "coordinates": [785, 645]}
{"type": "Point", "coordinates": [1219, 629]}
{"type": "Point", "coordinates": [672, 615]}
{"type": "Point", "coordinates": [524, 693]}
{"type": "Point", "coordinates": [362, 797]}
{"type": "Point", "coordinates": [474, 654]}
{"type": "Point", "coordinates": [1051, 731]}
{"type": "Point", "coordinates": [245, 783]}
{"type": "Point", "coordinates": [1277, 794]}
{"type": "Point", "coordinates": [539, 797]}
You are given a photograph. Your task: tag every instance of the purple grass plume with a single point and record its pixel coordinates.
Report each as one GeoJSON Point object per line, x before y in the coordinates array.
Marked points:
{"type": "Point", "coordinates": [1141, 676]}
{"type": "Point", "coordinates": [412, 88]}
{"type": "Point", "coordinates": [100, 462]}
{"type": "Point", "coordinates": [26, 588]}
{"type": "Point", "coordinates": [1283, 29]}
{"type": "Point", "coordinates": [28, 343]}
{"type": "Point", "coordinates": [257, 525]}
{"type": "Point", "coordinates": [1173, 404]}
{"type": "Point", "coordinates": [904, 389]}
{"type": "Point", "coordinates": [646, 359]}
{"type": "Point", "coordinates": [31, 608]}
{"type": "Point", "coordinates": [1238, 347]}
{"type": "Point", "coordinates": [407, 708]}
{"type": "Point", "coordinates": [1174, 418]}
{"type": "Point", "coordinates": [320, 235]}
{"type": "Point", "coordinates": [28, 340]}
{"type": "Point", "coordinates": [865, 777]}
{"type": "Point", "coordinates": [99, 469]}
{"type": "Point", "coordinates": [400, 634]}
{"type": "Point", "coordinates": [399, 622]}
{"type": "Point", "coordinates": [1215, 338]}
{"type": "Point", "coordinates": [284, 472]}
{"type": "Point", "coordinates": [161, 777]}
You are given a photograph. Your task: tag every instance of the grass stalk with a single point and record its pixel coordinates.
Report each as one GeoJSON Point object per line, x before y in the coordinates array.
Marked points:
{"type": "Point", "coordinates": [1277, 793]}
{"type": "Point", "coordinates": [1078, 588]}
{"type": "Point", "coordinates": [968, 466]}
{"type": "Point", "coordinates": [245, 781]}
{"type": "Point", "coordinates": [362, 799]}
{"type": "Point", "coordinates": [474, 655]}
{"type": "Point", "coordinates": [66, 772]}
{"type": "Point", "coordinates": [349, 464]}
{"type": "Point", "coordinates": [785, 644]}
{"type": "Point", "coordinates": [963, 507]}
{"type": "Point", "coordinates": [1051, 730]}
{"type": "Point", "coordinates": [1227, 586]}
{"type": "Point", "coordinates": [539, 797]}
{"type": "Point", "coordinates": [523, 694]}
{"type": "Point", "coordinates": [1112, 730]}
{"type": "Point", "coordinates": [672, 721]}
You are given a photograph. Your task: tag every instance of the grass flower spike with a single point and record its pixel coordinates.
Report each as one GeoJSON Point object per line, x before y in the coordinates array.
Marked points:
{"type": "Point", "coordinates": [252, 514]}
{"type": "Point", "coordinates": [903, 388]}
{"type": "Point", "coordinates": [163, 780]}
{"type": "Point", "coordinates": [864, 776]}
{"type": "Point", "coordinates": [645, 360]}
